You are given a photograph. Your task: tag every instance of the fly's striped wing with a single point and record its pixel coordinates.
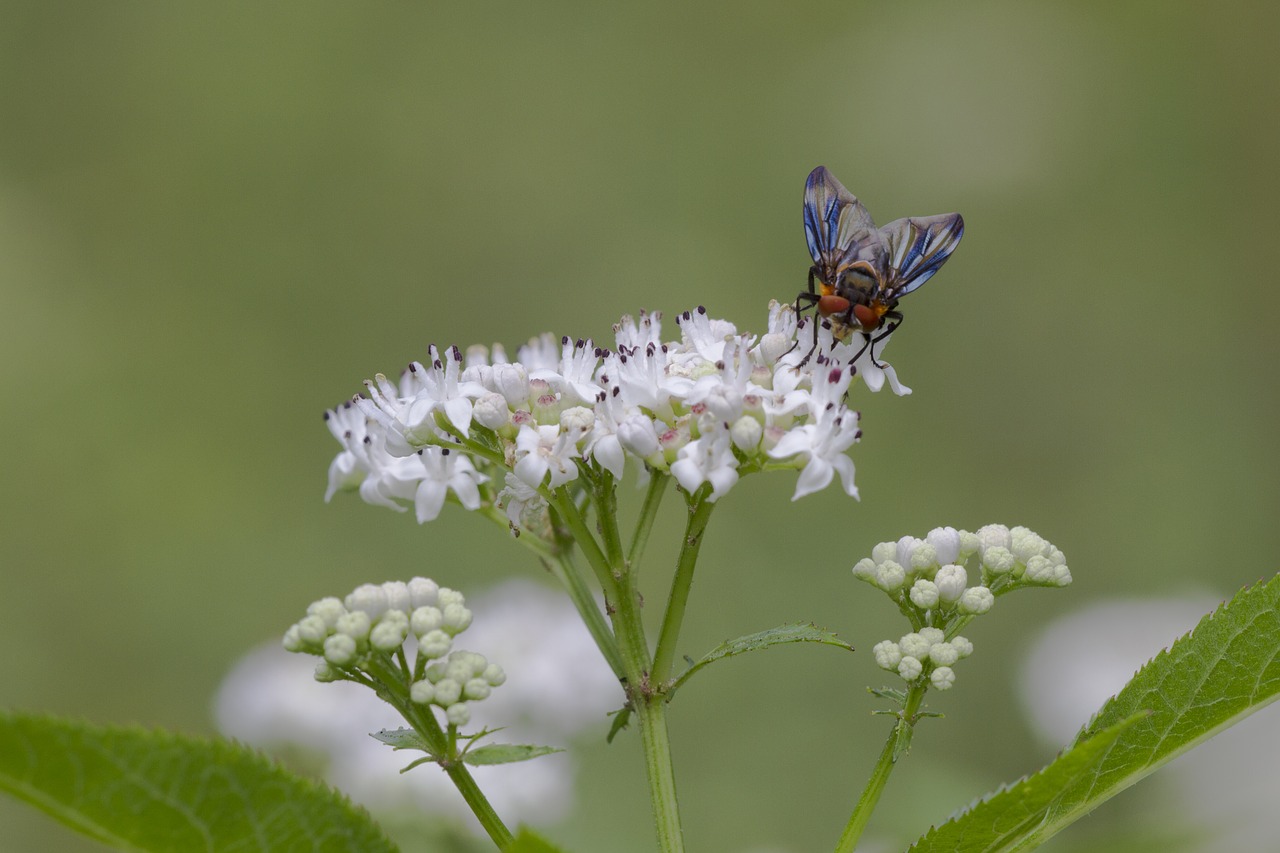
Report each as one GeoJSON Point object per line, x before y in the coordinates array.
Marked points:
{"type": "Point", "coordinates": [835, 223]}
{"type": "Point", "coordinates": [917, 248]}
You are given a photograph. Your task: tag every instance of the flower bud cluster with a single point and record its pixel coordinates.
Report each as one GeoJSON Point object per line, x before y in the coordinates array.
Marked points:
{"type": "Point", "coordinates": [945, 580]}
{"type": "Point", "coordinates": [368, 635]}
{"type": "Point", "coordinates": [489, 431]}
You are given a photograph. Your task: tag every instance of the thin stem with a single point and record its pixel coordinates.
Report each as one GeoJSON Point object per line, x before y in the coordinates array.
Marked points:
{"type": "Point", "coordinates": [466, 785]}
{"type": "Point", "coordinates": [568, 510]}
{"type": "Point", "coordinates": [893, 749]}
{"type": "Point", "coordinates": [699, 514]}
{"type": "Point", "coordinates": [571, 577]}
{"type": "Point", "coordinates": [648, 512]}
{"type": "Point", "coordinates": [424, 722]}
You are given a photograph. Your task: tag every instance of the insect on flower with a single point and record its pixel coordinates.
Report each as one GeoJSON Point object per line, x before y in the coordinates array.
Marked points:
{"type": "Point", "coordinates": [861, 270]}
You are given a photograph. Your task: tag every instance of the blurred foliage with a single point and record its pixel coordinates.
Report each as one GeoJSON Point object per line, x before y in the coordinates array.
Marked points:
{"type": "Point", "coordinates": [216, 221]}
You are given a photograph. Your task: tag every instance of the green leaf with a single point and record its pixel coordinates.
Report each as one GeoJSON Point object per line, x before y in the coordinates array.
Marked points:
{"type": "Point", "coordinates": [401, 739]}
{"type": "Point", "coordinates": [505, 753]}
{"type": "Point", "coordinates": [795, 633]}
{"type": "Point", "coordinates": [527, 841]}
{"type": "Point", "coordinates": [621, 718]}
{"type": "Point", "coordinates": [141, 790]}
{"type": "Point", "coordinates": [1223, 671]}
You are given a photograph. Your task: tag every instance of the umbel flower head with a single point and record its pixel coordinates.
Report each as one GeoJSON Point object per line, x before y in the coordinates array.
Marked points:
{"type": "Point", "coordinates": [947, 579]}
{"type": "Point", "coordinates": [368, 637]}
{"type": "Point", "coordinates": [709, 408]}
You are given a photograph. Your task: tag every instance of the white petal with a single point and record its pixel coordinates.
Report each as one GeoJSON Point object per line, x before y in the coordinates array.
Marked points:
{"type": "Point", "coordinates": [458, 411]}
{"type": "Point", "coordinates": [814, 478]}
{"type": "Point", "coordinates": [722, 480]}
{"type": "Point", "coordinates": [429, 500]}
{"type": "Point", "coordinates": [608, 452]}
{"type": "Point", "coordinates": [532, 469]}
{"type": "Point", "coordinates": [844, 465]}
{"type": "Point", "coordinates": [688, 474]}
{"type": "Point", "coordinates": [797, 440]}
{"type": "Point", "coordinates": [466, 489]}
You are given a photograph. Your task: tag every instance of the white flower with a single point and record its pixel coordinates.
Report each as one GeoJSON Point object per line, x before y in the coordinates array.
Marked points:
{"type": "Point", "coordinates": [710, 459]}
{"type": "Point", "coordinates": [943, 678]}
{"type": "Point", "coordinates": [445, 472]}
{"type": "Point", "coordinates": [603, 442]}
{"type": "Point", "coordinates": [348, 469]}
{"type": "Point", "coordinates": [705, 336]}
{"type": "Point", "coordinates": [575, 374]}
{"type": "Point", "coordinates": [823, 444]}
{"type": "Point", "coordinates": [546, 449]}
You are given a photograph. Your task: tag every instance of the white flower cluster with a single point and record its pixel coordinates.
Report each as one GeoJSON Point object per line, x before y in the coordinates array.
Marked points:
{"type": "Point", "coordinates": [705, 408]}
{"type": "Point", "coordinates": [929, 580]}
{"type": "Point", "coordinates": [358, 637]}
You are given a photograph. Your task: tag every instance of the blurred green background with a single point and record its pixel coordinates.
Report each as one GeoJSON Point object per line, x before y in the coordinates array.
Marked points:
{"type": "Point", "coordinates": [215, 222]}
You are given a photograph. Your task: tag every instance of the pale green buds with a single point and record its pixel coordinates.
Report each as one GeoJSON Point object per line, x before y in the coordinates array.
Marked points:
{"type": "Point", "coordinates": [929, 579]}
{"type": "Point", "coordinates": [366, 638]}
{"type": "Point", "coordinates": [942, 678]}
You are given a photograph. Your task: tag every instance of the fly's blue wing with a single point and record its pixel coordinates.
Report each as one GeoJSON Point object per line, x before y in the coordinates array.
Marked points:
{"type": "Point", "coordinates": [917, 247]}
{"type": "Point", "coordinates": [836, 225]}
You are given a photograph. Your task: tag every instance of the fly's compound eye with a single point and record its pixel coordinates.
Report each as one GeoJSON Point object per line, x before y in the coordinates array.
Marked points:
{"type": "Point", "coordinates": [867, 316]}
{"type": "Point", "coordinates": [831, 305]}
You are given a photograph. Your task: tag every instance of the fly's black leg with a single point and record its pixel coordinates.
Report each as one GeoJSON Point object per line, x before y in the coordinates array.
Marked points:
{"type": "Point", "coordinates": [897, 321]}
{"type": "Point", "coordinates": [809, 297]}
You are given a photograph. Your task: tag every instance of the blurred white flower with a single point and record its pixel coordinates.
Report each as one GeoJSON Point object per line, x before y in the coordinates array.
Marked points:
{"type": "Point", "coordinates": [556, 688]}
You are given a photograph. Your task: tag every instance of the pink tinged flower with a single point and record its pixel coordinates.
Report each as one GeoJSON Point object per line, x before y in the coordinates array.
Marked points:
{"type": "Point", "coordinates": [574, 377]}
{"type": "Point", "coordinates": [710, 459]}
{"type": "Point", "coordinates": [542, 450]}
{"type": "Point", "coordinates": [823, 443]}
{"type": "Point", "coordinates": [445, 472]}
{"type": "Point", "coordinates": [724, 393]}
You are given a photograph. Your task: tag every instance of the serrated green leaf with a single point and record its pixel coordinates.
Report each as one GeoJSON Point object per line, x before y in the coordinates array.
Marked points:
{"type": "Point", "coordinates": [527, 841]}
{"type": "Point", "coordinates": [1007, 815]}
{"type": "Point", "coordinates": [142, 790]}
{"type": "Point", "coordinates": [1225, 669]}
{"type": "Point", "coordinates": [401, 739]}
{"type": "Point", "coordinates": [505, 753]}
{"type": "Point", "coordinates": [783, 634]}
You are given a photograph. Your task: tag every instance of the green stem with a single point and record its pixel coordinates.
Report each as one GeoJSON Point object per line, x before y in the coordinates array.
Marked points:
{"type": "Point", "coordinates": [894, 747]}
{"type": "Point", "coordinates": [699, 514]}
{"type": "Point", "coordinates": [569, 575]}
{"type": "Point", "coordinates": [648, 512]}
{"type": "Point", "coordinates": [648, 703]}
{"type": "Point", "coordinates": [424, 722]}
{"type": "Point", "coordinates": [466, 785]}
{"type": "Point", "coordinates": [568, 510]}
{"type": "Point", "coordinates": [651, 716]}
